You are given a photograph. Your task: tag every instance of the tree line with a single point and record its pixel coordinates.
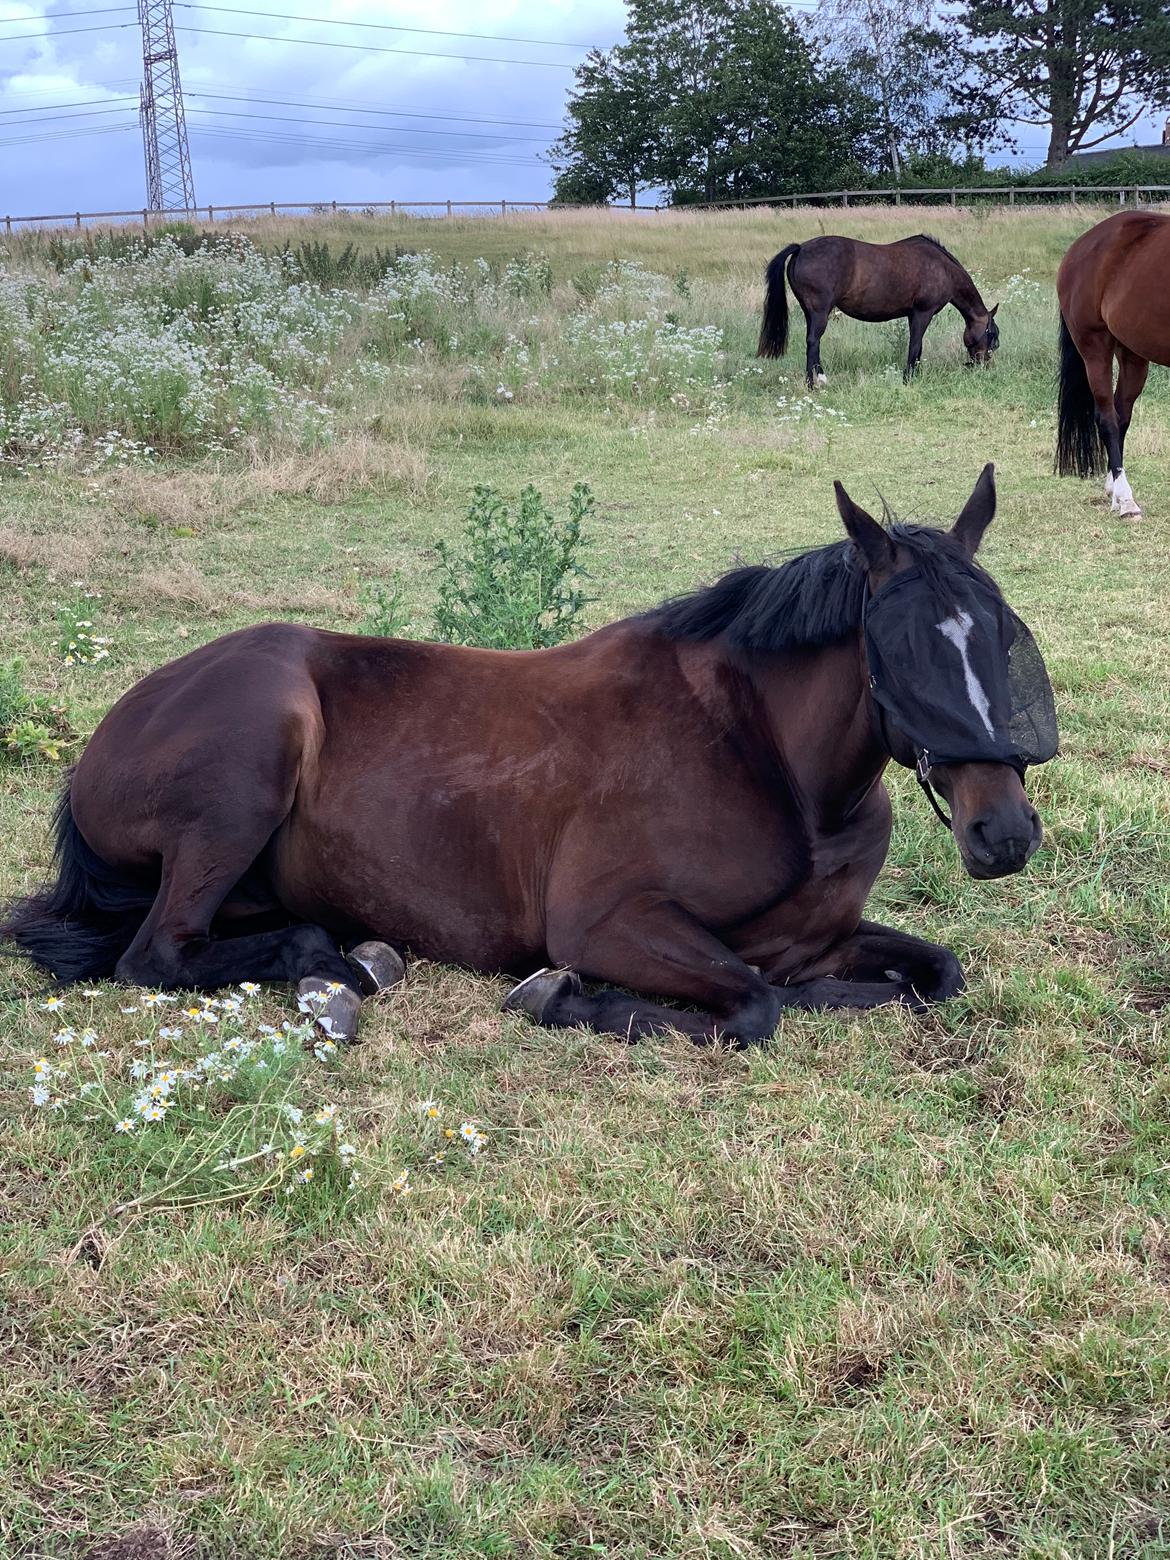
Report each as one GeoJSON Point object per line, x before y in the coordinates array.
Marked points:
{"type": "Point", "coordinates": [715, 100]}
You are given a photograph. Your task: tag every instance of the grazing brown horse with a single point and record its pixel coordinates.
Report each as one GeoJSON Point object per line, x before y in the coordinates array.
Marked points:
{"type": "Point", "coordinates": [913, 279]}
{"type": "Point", "coordinates": [1114, 292]}
{"type": "Point", "coordinates": [687, 803]}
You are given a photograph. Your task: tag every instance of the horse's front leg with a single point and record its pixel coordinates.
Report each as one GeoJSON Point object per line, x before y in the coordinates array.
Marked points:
{"type": "Point", "coordinates": [919, 320]}
{"type": "Point", "coordinates": [646, 944]}
{"type": "Point", "coordinates": [912, 970]}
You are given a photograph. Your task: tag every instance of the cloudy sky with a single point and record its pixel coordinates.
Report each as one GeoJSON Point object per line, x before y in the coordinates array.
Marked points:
{"type": "Point", "coordinates": [360, 113]}
{"type": "Point", "coordinates": [273, 119]}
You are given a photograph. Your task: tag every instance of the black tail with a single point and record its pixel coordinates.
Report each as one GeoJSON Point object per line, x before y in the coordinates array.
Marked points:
{"type": "Point", "coordinates": [1079, 451]}
{"type": "Point", "coordinates": [774, 330]}
{"type": "Point", "coordinates": [78, 927]}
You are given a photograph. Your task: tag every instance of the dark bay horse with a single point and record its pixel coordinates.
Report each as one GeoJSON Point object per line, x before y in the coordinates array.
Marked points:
{"type": "Point", "coordinates": [687, 803]}
{"type": "Point", "coordinates": [913, 279]}
{"type": "Point", "coordinates": [1114, 291]}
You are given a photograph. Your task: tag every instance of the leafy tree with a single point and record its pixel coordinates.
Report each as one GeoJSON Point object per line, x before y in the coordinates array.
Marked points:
{"type": "Point", "coordinates": [611, 143]}
{"type": "Point", "coordinates": [713, 99]}
{"type": "Point", "coordinates": [914, 74]}
{"type": "Point", "coordinates": [1086, 68]}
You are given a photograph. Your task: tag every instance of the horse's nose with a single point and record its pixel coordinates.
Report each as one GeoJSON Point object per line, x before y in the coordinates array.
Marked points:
{"type": "Point", "coordinates": [1000, 842]}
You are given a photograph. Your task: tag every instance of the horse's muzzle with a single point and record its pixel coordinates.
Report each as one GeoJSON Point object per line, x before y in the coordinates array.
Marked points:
{"type": "Point", "coordinates": [993, 845]}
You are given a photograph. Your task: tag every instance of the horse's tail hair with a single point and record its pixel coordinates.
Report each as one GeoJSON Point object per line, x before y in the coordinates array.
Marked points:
{"type": "Point", "coordinates": [774, 330]}
{"type": "Point", "coordinates": [78, 926]}
{"type": "Point", "coordinates": [1079, 451]}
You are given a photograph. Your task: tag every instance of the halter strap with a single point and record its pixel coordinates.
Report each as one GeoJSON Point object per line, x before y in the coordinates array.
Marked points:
{"type": "Point", "coordinates": [922, 773]}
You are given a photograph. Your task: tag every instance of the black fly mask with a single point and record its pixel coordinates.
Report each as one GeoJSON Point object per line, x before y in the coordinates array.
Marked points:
{"type": "Point", "coordinates": [960, 677]}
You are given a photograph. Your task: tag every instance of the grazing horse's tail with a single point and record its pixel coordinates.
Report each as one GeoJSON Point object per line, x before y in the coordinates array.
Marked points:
{"type": "Point", "coordinates": [79, 926]}
{"type": "Point", "coordinates": [774, 330]}
{"type": "Point", "coordinates": [1079, 451]}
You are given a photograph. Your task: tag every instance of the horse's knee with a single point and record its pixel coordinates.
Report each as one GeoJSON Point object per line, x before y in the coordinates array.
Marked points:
{"type": "Point", "coordinates": [148, 966]}
{"type": "Point", "coordinates": [947, 980]}
{"type": "Point", "coordinates": [753, 1017]}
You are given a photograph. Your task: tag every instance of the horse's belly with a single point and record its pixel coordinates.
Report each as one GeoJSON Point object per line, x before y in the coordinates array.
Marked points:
{"type": "Point", "coordinates": [419, 879]}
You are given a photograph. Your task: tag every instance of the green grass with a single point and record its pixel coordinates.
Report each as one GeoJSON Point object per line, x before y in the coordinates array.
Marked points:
{"type": "Point", "coordinates": [889, 1287]}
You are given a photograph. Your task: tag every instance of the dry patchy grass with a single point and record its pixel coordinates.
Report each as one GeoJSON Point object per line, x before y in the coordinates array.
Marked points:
{"type": "Point", "coordinates": [891, 1287]}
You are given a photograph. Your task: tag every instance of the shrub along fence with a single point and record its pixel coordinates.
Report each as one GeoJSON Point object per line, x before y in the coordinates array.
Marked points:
{"type": "Point", "coordinates": [954, 195]}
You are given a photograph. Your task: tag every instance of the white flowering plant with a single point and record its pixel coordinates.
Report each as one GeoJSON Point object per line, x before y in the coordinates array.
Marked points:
{"type": "Point", "coordinates": [212, 1104]}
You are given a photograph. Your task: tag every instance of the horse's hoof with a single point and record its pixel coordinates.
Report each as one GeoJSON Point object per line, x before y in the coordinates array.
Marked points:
{"type": "Point", "coordinates": [821, 380]}
{"type": "Point", "coordinates": [377, 966]}
{"type": "Point", "coordinates": [334, 1007]}
{"type": "Point", "coordinates": [1130, 510]}
{"type": "Point", "coordinates": [534, 994]}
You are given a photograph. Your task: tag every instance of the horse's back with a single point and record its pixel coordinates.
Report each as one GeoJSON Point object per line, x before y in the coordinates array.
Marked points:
{"type": "Point", "coordinates": [872, 282]}
{"type": "Point", "coordinates": [1115, 275]}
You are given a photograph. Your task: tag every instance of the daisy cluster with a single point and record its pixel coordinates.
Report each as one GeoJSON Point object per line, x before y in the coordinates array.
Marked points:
{"type": "Point", "coordinates": [222, 1100]}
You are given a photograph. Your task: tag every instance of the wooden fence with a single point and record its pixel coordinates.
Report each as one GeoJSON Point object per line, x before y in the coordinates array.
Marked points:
{"type": "Point", "coordinates": [1012, 194]}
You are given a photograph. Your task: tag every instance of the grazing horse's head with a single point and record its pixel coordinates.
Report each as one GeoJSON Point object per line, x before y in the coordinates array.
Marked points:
{"type": "Point", "coordinates": [981, 337]}
{"type": "Point", "coordinates": [958, 687]}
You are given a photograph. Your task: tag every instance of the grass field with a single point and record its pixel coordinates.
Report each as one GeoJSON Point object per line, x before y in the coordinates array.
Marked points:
{"type": "Point", "coordinates": [888, 1286]}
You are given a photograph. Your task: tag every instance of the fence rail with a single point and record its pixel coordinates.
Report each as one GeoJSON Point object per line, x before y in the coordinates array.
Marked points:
{"type": "Point", "coordinates": [956, 194]}
{"type": "Point", "coordinates": [1074, 193]}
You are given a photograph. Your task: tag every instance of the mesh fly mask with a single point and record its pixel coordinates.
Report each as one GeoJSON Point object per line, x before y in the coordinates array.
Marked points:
{"type": "Point", "coordinates": [963, 681]}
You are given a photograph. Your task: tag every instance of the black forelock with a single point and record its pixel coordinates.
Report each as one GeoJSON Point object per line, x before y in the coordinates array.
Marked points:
{"type": "Point", "coordinates": [814, 599]}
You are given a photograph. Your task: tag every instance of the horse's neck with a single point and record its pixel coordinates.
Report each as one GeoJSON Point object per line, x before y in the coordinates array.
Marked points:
{"type": "Point", "coordinates": [820, 719]}
{"type": "Point", "coordinates": [966, 296]}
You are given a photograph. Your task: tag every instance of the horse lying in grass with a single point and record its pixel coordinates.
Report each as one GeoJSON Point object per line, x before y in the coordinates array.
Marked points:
{"type": "Point", "coordinates": [913, 279]}
{"type": "Point", "coordinates": [687, 803]}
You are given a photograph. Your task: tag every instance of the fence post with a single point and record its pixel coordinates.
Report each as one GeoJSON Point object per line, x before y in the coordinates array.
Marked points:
{"type": "Point", "coordinates": [1012, 196]}
{"type": "Point", "coordinates": [794, 203]}
{"type": "Point", "coordinates": [898, 196]}
{"type": "Point", "coordinates": [503, 208]}
{"type": "Point", "coordinates": [953, 197]}
{"type": "Point", "coordinates": [844, 197]}
{"type": "Point", "coordinates": [1074, 194]}
{"type": "Point", "coordinates": [393, 208]}
{"type": "Point", "coordinates": [145, 223]}
{"type": "Point", "coordinates": [8, 224]}
{"type": "Point", "coordinates": [272, 207]}
{"type": "Point", "coordinates": [79, 219]}
{"type": "Point", "coordinates": [448, 208]}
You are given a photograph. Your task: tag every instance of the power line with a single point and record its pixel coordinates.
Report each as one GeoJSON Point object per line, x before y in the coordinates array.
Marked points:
{"type": "Point", "coordinates": [94, 86]}
{"type": "Point", "coordinates": [369, 148]}
{"type": "Point", "coordinates": [65, 135]}
{"type": "Point", "coordinates": [88, 114]}
{"type": "Point", "coordinates": [365, 106]}
{"type": "Point", "coordinates": [362, 48]}
{"type": "Point", "coordinates": [342, 124]}
{"type": "Point", "coordinates": [54, 16]}
{"type": "Point", "coordinates": [82, 103]}
{"type": "Point", "coordinates": [70, 32]}
{"type": "Point", "coordinates": [334, 21]}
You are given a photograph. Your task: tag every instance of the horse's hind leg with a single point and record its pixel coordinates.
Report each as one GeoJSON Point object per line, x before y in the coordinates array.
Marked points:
{"type": "Point", "coordinates": [1097, 351]}
{"type": "Point", "coordinates": [817, 320]}
{"type": "Point", "coordinates": [1132, 372]}
{"type": "Point", "coordinates": [174, 947]}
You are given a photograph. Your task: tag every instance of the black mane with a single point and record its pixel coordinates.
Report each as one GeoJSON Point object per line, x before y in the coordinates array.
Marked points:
{"type": "Point", "coordinates": [929, 238]}
{"type": "Point", "coordinates": [813, 600]}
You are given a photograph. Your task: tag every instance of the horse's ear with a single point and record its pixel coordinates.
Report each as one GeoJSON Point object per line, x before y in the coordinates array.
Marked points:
{"type": "Point", "coordinates": [872, 540]}
{"type": "Point", "coordinates": [993, 311]}
{"type": "Point", "coordinates": [978, 513]}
